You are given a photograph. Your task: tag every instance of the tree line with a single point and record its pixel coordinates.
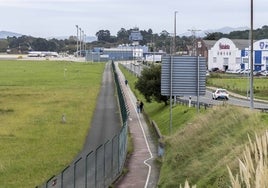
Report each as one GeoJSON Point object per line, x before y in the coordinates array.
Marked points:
{"type": "Point", "coordinates": [155, 41]}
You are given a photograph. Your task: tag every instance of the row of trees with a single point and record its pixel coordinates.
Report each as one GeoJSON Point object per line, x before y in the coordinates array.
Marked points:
{"type": "Point", "coordinates": [25, 43]}
{"type": "Point", "coordinates": [155, 41]}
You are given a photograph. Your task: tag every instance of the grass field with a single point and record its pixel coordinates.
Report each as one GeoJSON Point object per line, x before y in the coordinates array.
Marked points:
{"type": "Point", "coordinates": [35, 144]}
{"type": "Point", "coordinates": [241, 85]}
{"type": "Point", "coordinates": [202, 145]}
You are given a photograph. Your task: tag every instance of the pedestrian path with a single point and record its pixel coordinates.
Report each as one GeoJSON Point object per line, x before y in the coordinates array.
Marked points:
{"type": "Point", "coordinates": [142, 171]}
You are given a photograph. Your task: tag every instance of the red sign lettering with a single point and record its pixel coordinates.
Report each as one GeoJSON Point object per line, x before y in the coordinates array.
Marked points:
{"type": "Point", "coordinates": [224, 46]}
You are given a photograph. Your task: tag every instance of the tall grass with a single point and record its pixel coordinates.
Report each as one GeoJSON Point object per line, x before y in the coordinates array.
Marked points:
{"type": "Point", "coordinates": [201, 150]}
{"type": "Point", "coordinates": [187, 185]}
{"type": "Point", "coordinates": [35, 144]}
{"type": "Point", "coordinates": [253, 167]}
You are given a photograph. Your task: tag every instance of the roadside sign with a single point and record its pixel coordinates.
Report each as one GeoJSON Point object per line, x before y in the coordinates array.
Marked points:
{"type": "Point", "coordinates": [183, 75]}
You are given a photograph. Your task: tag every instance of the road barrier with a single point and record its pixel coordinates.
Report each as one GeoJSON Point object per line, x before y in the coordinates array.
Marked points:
{"type": "Point", "coordinates": [99, 168]}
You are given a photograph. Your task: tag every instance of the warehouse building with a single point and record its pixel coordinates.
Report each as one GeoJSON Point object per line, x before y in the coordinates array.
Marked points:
{"type": "Point", "coordinates": [226, 54]}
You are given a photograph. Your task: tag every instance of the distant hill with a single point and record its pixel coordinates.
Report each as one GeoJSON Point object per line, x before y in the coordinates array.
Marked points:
{"type": "Point", "coordinates": [5, 34]}
{"type": "Point", "coordinates": [224, 30]}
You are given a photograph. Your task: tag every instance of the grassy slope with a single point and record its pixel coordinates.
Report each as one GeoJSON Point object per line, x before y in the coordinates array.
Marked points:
{"type": "Point", "coordinates": [200, 151]}
{"type": "Point", "coordinates": [201, 145]}
{"type": "Point", "coordinates": [33, 96]}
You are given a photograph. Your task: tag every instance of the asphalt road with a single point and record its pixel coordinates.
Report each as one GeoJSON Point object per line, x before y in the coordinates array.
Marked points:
{"type": "Point", "coordinates": [106, 121]}
{"type": "Point", "coordinates": [234, 100]}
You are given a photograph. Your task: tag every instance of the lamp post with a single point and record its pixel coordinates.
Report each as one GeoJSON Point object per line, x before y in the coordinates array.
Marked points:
{"type": "Point", "coordinates": [85, 42]}
{"type": "Point", "coordinates": [77, 39]}
{"type": "Point", "coordinates": [82, 41]}
{"type": "Point", "coordinates": [174, 40]}
{"type": "Point", "coordinates": [171, 73]}
{"type": "Point", "coordinates": [80, 38]}
{"type": "Point", "coordinates": [251, 55]}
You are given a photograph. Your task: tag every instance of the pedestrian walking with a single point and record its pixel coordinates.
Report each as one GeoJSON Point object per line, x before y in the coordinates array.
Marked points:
{"type": "Point", "coordinates": [141, 106]}
{"type": "Point", "coordinates": [126, 82]}
{"type": "Point", "coordinates": [138, 105]}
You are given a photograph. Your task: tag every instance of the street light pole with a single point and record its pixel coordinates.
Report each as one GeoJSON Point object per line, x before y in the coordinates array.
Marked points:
{"type": "Point", "coordinates": [82, 43]}
{"type": "Point", "coordinates": [80, 40]}
{"type": "Point", "coordinates": [85, 42]}
{"type": "Point", "coordinates": [77, 40]}
{"type": "Point", "coordinates": [171, 74]}
{"type": "Point", "coordinates": [251, 55]}
{"type": "Point", "coordinates": [174, 41]}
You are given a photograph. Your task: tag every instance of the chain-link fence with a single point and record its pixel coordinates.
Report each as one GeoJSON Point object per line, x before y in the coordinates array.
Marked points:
{"type": "Point", "coordinates": [99, 168]}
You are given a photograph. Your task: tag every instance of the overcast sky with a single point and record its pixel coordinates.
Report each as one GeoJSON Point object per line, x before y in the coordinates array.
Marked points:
{"type": "Point", "coordinates": [46, 18]}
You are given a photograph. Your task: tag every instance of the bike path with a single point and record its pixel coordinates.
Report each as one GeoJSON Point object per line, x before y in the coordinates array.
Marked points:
{"type": "Point", "coordinates": [106, 121]}
{"type": "Point", "coordinates": [142, 171]}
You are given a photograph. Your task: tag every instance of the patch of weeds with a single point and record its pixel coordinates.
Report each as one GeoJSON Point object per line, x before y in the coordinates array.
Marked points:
{"type": "Point", "coordinates": [6, 111]}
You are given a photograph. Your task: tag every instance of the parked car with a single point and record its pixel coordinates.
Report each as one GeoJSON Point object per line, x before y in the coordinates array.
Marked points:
{"type": "Point", "coordinates": [264, 72]}
{"type": "Point", "coordinates": [246, 71]}
{"type": "Point", "coordinates": [220, 93]}
{"type": "Point", "coordinates": [257, 73]}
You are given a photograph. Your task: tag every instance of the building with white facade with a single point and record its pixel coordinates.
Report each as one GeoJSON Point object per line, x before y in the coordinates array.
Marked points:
{"type": "Point", "coordinates": [225, 54]}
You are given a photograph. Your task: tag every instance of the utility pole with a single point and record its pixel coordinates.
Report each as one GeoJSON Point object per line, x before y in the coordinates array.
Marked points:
{"type": "Point", "coordinates": [193, 31]}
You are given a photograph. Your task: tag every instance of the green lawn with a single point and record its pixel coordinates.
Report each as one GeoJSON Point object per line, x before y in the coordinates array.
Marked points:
{"type": "Point", "coordinates": [240, 84]}
{"type": "Point", "coordinates": [35, 144]}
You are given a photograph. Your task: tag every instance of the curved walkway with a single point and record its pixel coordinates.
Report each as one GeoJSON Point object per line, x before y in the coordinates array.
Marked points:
{"type": "Point", "coordinates": [142, 168]}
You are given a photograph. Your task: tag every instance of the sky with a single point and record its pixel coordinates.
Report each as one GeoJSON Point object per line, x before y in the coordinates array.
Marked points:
{"type": "Point", "coordinates": [52, 18]}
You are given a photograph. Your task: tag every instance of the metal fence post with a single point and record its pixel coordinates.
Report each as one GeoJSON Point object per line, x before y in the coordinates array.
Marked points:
{"type": "Point", "coordinates": [75, 169]}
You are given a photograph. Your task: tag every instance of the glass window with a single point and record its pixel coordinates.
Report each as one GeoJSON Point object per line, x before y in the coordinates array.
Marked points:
{"type": "Point", "coordinates": [238, 60]}
{"type": "Point", "coordinates": [214, 60]}
{"type": "Point", "coordinates": [225, 61]}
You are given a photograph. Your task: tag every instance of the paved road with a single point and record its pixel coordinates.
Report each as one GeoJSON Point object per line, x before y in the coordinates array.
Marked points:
{"type": "Point", "coordinates": [106, 119]}
{"type": "Point", "coordinates": [234, 99]}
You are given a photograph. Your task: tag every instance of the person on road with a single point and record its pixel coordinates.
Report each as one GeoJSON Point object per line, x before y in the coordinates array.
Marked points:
{"type": "Point", "coordinates": [126, 82]}
{"type": "Point", "coordinates": [138, 105]}
{"type": "Point", "coordinates": [141, 106]}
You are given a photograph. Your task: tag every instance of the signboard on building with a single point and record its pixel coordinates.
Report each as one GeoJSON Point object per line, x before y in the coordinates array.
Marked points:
{"type": "Point", "coordinates": [188, 76]}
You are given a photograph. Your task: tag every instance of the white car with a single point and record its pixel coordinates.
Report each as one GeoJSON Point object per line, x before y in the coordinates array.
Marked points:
{"type": "Point", "coordinates": [220, 94]}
